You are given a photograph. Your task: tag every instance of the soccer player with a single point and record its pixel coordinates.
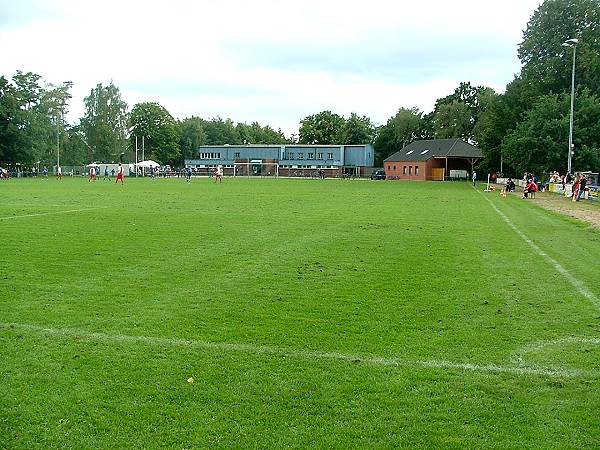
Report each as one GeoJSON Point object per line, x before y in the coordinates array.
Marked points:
{"type": "Point", "coordinates": [106, 177]}
{"type": "Point", "coordinates": [59, 173]}
{"type": "Point", "coordinates": [45, 173]}
{"type": "Point", "coordinates": [189, 174]}
{"type": "Point", "coordinates": [92, 174]}
{"type": "Point", "coordinates": [219, 174]}
{"type": "Point", "coordinates": [120, 174]}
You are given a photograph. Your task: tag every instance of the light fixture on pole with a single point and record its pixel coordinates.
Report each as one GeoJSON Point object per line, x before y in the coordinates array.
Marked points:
{"type": "Point", "coordinates": [573, 44]}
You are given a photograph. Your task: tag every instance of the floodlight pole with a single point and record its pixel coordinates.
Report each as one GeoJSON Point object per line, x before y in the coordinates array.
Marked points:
{"type": "Point", "coordinates": [573, 44]}
{"type": "Point", "coordinates": [136, 157]}
{"type": "Point", "coordinates": [57, 143]}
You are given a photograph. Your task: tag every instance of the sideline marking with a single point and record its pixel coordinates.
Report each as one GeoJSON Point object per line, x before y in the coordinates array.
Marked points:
{"type": "Point", "coordinates": [53, 212]}
{"type": "Point", "coordinates": [564, 272]}
{"type": "Point", "coordinates": [304, 354]}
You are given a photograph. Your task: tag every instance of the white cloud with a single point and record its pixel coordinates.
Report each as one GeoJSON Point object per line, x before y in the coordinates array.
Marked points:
{"type": "Point", "coordinates": [271, 61]}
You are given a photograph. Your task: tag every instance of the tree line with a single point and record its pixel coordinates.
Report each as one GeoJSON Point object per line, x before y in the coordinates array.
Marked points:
{"type": "Point", "coordinates": [524, 128]}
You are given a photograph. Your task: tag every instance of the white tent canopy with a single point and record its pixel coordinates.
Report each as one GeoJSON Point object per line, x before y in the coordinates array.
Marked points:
{"type": "Point", "coordinates": [148, 164]}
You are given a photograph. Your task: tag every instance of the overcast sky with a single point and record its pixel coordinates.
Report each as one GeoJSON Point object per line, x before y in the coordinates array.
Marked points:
{"type": "Point", "coordinates": [272, 61]}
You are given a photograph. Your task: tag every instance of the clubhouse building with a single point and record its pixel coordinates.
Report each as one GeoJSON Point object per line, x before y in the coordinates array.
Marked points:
{"type": "Point", "coordinates": [284, 160]}
{"type": "Point", "coordinates": [436, 159]}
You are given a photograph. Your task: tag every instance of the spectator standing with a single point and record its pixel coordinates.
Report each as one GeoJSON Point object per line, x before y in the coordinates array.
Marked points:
{"type": "Point", "coordinates": [582, 185]}
{"type": "Point", "coordinates": [575, 190]}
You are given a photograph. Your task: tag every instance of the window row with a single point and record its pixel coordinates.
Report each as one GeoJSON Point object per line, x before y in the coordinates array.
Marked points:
{"type": "Point", "coordinates": [405, 169]}
{"type": "Point", "coordinates": [311, 155]}
{"type": "Point", "coordinates": [209, 156]}
{"type": "Point", "coordinates": [300, 166]}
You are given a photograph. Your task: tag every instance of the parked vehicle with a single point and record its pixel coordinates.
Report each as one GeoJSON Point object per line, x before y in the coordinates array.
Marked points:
{"type": "Point", "coordinates": [378, 175]}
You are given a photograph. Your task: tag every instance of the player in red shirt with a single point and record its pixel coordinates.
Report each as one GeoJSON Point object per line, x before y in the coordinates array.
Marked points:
{"type": "Point", "coordinates": [120, 174]}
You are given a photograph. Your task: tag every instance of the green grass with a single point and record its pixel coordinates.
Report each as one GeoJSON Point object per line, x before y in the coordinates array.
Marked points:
{"type": "Point", "coordinates": [309, 313]}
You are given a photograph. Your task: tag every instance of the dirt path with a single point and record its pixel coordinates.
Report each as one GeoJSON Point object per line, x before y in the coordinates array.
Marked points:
{"type": "Point", "coordinates": [586, 210]}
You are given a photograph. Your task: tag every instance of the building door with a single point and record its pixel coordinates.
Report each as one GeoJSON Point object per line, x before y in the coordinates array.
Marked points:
{"type": "Point", "coordinates": [437, 174]}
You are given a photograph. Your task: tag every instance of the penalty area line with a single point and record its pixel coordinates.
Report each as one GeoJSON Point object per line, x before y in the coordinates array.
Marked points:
{"type": "Point", "coordinates": [51, 213]}
{"type": "Point", "coordinates": [302, 354]}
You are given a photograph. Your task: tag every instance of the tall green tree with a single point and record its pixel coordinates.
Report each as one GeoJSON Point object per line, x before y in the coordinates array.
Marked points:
{"type": "Point", "coordinates": [104, 123]}
{"type": "Point", "coordinates": [28, 88]}
{"type": "Point", "coordinates": [74, 149]}
{"type": "Point", "coordinates": [221, 131]}
{"type": "Point", "coordinates": [54, 105]}
{"type": "Point", "coordinates": [31, 118]}
{"type": "Point", "coordinates": [453, 120]}
{"type": "Point", "coordinates": [546, 62]}
{"type": "Point", "coordinates": [536, 144]}
{"type": "Point", "coordinates": [457, 114]}
{"type": "Point", "coordinates": [12, 121]}
{"type": "Point", "coordinates": [322, 128]}
{"type": "Point", "coordinates": [192, 136]}
{"type": "Point", "coordinates": [547, 69]}
{"type": "Point", "coordinates": [539, 142]}
{"type": "Point", "coordinates": [399, 131]}
{"type": "Point", "coordinates": [587, 139]}
{"type": "Point", "coordinates": [160, 131]}
{"type": "Point", "coordinates": [258, 134]}
{"type": "Point", "coordinates": [358, 130]}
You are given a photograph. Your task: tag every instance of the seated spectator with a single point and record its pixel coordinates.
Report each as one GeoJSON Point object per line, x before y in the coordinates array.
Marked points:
{"type": "Point", "coordinates": [510, 185]}
{"type": "Point", "coordinates": [529, 189]}
{"type": "Point", "coordinates": [556, 178]}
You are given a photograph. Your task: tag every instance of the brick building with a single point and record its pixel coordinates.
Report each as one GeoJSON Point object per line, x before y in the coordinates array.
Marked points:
{"type": "Point", "coordinates": [436, 159]}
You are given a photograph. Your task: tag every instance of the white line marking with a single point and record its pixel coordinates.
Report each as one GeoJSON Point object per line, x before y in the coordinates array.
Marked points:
{"type": "Point", "coordinates": [53, 213]}
{"type": "Point", "coordinates": [570, 278]}
{"type": "Point", "coordinates": [304, 354]}
{"type": "Point", "coordinates": [538, 346]}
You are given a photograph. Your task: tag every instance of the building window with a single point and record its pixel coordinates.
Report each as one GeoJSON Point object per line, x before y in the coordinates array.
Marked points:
{"type": "Point", "coordinates": [311, 156]}
{"type": "Point", "coordinates": [329, 155]}
{"type": "Point", "coordinates": [410, 170]}
{"type": "Point", "coordinates": [237, 154]}
{"type": "Point", "coordinates": [319, 155]}
{"type": "Point", "coordinates": [300, 155]}
{"type": "Point", "coordinates": [394, 167]}
{"type": "Point", "coordinates": [404, 171]}
{"type": "Point", "coordinates": [291, 155]}
{"type": "Point", "coordinates": [416, 170]}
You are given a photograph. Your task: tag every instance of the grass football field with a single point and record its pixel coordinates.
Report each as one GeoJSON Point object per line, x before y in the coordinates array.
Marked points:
{"type": "Point", "coordinates": [262, 313]}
